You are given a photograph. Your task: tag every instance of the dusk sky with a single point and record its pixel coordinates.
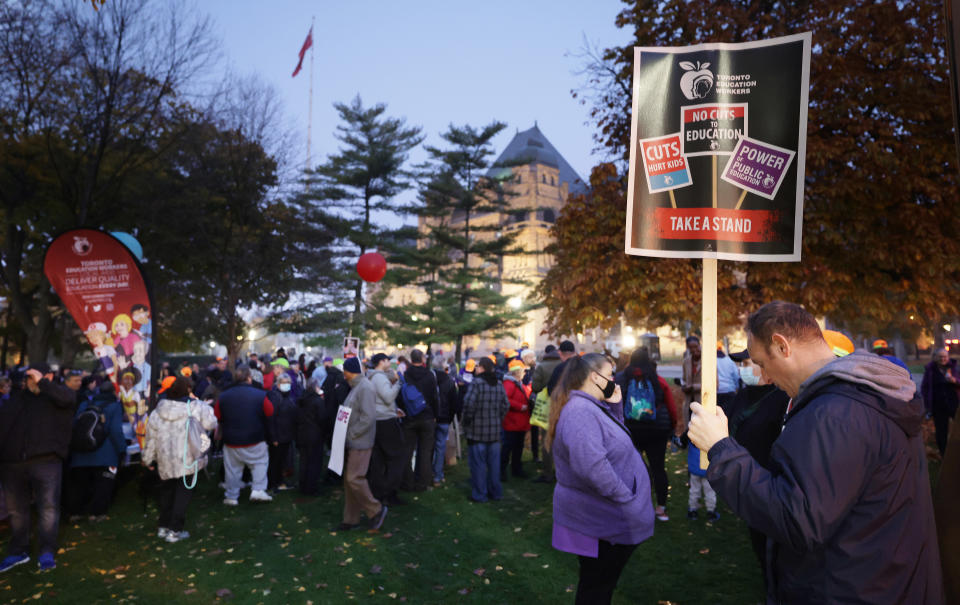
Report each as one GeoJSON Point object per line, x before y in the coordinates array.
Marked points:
{"type": "Point", "coordinates": [431, 62]}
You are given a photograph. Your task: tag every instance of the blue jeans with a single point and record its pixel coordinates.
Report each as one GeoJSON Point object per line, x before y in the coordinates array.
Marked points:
{"type": "Point", "coordinates": [39, 479]}
{"type": "Point", "coordinates": [485, 470]}
{"type": "Point", "coordinates": [440, 450]}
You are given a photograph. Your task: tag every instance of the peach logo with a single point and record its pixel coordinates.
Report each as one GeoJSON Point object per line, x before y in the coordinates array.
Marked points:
{"type": "Point", "coordinates": [81, 246]}
{"type": "Point", "coordinates": [697, 80]}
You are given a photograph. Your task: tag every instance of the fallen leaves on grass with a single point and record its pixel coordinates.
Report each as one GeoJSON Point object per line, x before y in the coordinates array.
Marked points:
{"type": "Point", "coordinates": [376, 569]}
{"type": "Point", "coordinates": [530, 555]}
{"type": "Point", "coordinates": [224, 593]}
{"type": "Point", "coordinates": [479, 571]}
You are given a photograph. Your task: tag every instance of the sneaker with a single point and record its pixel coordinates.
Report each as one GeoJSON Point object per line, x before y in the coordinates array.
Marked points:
{"type": "Point", "coordinates": [176, 536]}
{"type": "Point", "coordinates": [162, 532]}
{"type": "Point", "coordinates": [713, 515]}
{"type": "Point", "coordinates": [45, 561]}
{"type": "Point", "coordinates": [283, 487]}
{"type": "Point", "coordinates": [230, 501]}
{"type": "Point", "coordinates": [12, 561]}
{"type": "Point", "coordinates": [259, 495]}
{"type": "Point", "coordinates": [661, 514]}
{"type": "Point", "coordinates": [377, 520]}
{"type": "Point", "coordinates": [692, 515]}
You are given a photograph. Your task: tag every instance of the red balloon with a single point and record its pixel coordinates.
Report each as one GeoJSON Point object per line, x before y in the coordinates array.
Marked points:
{"type": "Point", "coordinates": [372, 267]}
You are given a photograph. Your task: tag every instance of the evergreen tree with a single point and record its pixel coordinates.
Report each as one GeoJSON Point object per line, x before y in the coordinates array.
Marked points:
{"type": "Point", "coordinates": [457, 262]}
{"type": "Point", "coordinates": [343, 195]}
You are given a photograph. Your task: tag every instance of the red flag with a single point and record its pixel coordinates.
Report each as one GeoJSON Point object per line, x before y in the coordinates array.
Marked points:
{"type": "Point", "coordinates": [306, 44]}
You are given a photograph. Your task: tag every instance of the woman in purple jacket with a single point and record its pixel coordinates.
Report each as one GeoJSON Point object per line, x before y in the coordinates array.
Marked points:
{"type": "Point", "coordinates": [601, 505]}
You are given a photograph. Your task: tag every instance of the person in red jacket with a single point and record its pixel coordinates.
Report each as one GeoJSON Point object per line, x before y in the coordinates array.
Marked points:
{"type": "Point", "coordinates": [517, 421]}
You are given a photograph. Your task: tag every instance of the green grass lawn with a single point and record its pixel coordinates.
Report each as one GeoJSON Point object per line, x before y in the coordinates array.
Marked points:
{"type": "Point", "coordinates": [438, 548]}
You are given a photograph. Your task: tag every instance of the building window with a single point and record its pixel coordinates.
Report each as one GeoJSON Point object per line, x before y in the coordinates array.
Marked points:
{"type": "Point", "coordinates": [543, 179]}
{"type": "Point", "coordinates": [552, 181]}
{"type": "Point", "coordinates": [547, 215]}
{"type": "Point", "coordinates": [519, 179]}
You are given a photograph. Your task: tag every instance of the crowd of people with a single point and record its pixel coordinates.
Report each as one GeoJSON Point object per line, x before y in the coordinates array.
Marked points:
{"type": "Point", "coordinates": [813, 445]}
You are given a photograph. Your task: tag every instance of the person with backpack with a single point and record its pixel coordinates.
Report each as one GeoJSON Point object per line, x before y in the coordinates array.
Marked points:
{"type": "Point", "coordinates": [96, 449]}
{"type": "Point", "coordinates": [419, 398]}
{"type": "Point", "coordinates": [35, 429]}
{"type": "Point", "coordinates": [167, 449]}
{"type": "Point", "coordinates": [650, 414]}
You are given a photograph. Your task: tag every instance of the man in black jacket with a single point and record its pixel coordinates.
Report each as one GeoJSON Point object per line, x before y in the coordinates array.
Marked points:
{"type": "Point", "coordinates": [35, 429]}
{"type": "Point", "coordinates": [846, 500]}
{"type": "Point", "coordinates": [419, 429]}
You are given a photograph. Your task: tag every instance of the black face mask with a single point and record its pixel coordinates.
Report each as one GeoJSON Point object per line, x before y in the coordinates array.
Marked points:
{"type": "Point", "coordinates": [609, 389]}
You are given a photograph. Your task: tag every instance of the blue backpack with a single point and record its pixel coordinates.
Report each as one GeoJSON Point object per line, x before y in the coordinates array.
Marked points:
{"type": "Point", "coordinates": [413, 400]}
{"type": "Point", "coordinates": [641, 401]}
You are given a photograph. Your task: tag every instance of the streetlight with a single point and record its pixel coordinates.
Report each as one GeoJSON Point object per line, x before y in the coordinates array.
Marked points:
{"type": "Point", "coordinates": [516, 302]}
{"type": "Point", "coordinates": [629, 341]}
{"type": "Point", "coordinates": [947, 327]}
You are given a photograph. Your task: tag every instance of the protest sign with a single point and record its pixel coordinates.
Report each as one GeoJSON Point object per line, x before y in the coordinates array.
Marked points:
{"type": "Point", "coordinates": [339, 443]}
{"type": "Point", "coordinates": [739, 112]}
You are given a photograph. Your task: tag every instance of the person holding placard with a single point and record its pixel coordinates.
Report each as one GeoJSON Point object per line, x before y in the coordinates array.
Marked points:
{"type": "Point", "coordinates": [361, 433]}
{"type": "Point", "coordinates": [846, 501]}
{"type": "Point", "coordinates": [601, 504]}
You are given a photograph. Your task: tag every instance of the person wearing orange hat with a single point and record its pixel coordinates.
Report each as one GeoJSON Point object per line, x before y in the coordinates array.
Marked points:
{"type": "Point", "coordinates": [881, 348]}
{"type": "Point", "coordinates": [847, 476]}
{"type": "Point", "coordinates": [516, 423]}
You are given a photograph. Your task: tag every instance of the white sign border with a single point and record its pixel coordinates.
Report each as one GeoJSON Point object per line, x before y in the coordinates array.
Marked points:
{"type": "Point", "coordinates": [806, 38]}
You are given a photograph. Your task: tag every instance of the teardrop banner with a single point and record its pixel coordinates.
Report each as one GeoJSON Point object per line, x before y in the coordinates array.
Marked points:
{"type": "Point", "coordinates": [102, 286]}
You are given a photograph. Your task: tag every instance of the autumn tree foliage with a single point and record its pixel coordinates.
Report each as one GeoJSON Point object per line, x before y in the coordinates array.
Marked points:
{"type": "Point", "coordinates": [881, 232]}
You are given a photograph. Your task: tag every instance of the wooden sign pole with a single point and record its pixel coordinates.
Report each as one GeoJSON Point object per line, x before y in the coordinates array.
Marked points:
{"type": "Point", "coordinates": [708, 347]}
{"type": "Point", "coordinates": [708, 352]}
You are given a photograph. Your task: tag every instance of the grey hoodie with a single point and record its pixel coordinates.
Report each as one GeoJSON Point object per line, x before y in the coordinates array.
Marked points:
{"type": "Point", "coordinates": [386, 394]}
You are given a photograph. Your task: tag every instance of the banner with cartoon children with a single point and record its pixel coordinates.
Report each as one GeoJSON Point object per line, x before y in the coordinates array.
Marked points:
{"type": "Point", "coordinates": [99, 280]}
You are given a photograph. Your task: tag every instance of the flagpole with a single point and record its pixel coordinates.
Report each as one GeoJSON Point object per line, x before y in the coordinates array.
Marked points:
{"type": "Point", "coordinates": [310, 106]}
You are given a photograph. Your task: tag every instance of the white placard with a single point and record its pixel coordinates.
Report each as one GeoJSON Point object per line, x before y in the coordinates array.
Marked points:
{"type": "Point", "coordinates": [339, 440]}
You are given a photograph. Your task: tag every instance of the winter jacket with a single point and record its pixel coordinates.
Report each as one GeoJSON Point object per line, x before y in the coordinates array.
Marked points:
{"type": "Point", "coordinates": [543, 371]}
{"type": "Point", "coordinates": [518, 416]}
{"type": "Point", "coordinates": [167, 435]}
{"type": "Point", "coordinates": [34, 425]}
{"type": "Point", "coordinates": [603, 488]}
{"type": "Point", "coordinates": [484, 407]}
{"type": "Point", "coordinates": [243, 411]}
{"type": "Point", "coordinates": [449, 398]}
{"type": "Point", "coordinates": [115, 445]}
{"type": "Point", "coordinates": [282, 425]}
{"type": "Point", "coordinates": [555, 375]}
{"type": "Point", "coordinates": [846, 503]}
{"type": "Point", "coordinates": [386, 394]}
{"type": "Point", "coordinates": [426, 382]}
{"type": "Point", "coordinates": [314, 420]}
{"type": "Point", "coordinates": [938, 394]}
{"type": "Point", "coordinates": [335, 387]}
{"type": "Point", "coordinates": [756, 416]}
{"type": "Point", "coordinates": [362, 400]}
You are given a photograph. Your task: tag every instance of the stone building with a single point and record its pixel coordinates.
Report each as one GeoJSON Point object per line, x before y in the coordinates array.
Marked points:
{"type": "Point", "coordinates": [542, 180]}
